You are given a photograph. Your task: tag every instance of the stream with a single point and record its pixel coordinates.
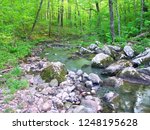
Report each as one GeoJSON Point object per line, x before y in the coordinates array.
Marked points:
{"type": "Point", "coordinates": [132, 97]}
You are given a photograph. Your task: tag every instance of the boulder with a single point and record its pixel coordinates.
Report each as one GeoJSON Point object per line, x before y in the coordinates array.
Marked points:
{"type": "Point", "coordinates": [55, 70]}
{"type": "Point", "coordinates": [107, 50]}
{"type": "Point", "coordinates": [113, 82]}
{"type": "Point", "coordinates": [85, 51]}
{"type": "Point", "coordinates": [145, 70]}
{"type": "Point", "coordinates": [82, 109]}
{"type": "Point", "coordinates": [115, 48]}
{"type": "Point", "coordinates": [132, 75]}
{"type": "Point", "coordinates": [92, 47]}
{"type": "Point", "coordinates": [102, 60]}
{"type": "Point", "coordinates": [129, 51]}
{"type": "Point", "coordinates": [142, 104]}
{"type": "Point", "coordinates": [116, 67]}
{"type": "Point", "coordinates": [94, 78]}
{"type": "Point", "coordinates": [142, 58]}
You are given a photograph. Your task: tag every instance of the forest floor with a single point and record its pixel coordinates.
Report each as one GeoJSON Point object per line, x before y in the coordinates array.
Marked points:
{"type": "Point", "coordinates": [22, 91]}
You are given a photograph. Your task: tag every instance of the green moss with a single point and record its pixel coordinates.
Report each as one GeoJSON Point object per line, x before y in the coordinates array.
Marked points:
{"type": "Point", "coordinates": [50, 73]}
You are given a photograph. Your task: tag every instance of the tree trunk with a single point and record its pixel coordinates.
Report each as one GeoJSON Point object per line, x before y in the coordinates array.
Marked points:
{"type": "Point", "coordinates": [112, 30]}
{"type": "Point", "coordinates": [142, 12]}
{"type": "Point", "coordinates": [118, 18]}
{"type": "Point", "coordinates": [62, 14]}
{"type": "Point", "coordinates": [49, 16]}
{"type": "Point", "coordinates": [36, 18]}
{"type": "Point", "coordinates": [69, 13]}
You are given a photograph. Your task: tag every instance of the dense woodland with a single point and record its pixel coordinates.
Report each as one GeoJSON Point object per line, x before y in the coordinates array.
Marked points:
{"type": "Point", "coordinates": [108, 19]}
{"type": "Point", "coordinates": [26, 24]}
{"type": "Point", "coordinates": [22, 22]}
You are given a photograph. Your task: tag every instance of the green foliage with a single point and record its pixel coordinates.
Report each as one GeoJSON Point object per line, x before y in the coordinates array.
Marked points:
{"type": "Point", "coordinates": [14, 84]}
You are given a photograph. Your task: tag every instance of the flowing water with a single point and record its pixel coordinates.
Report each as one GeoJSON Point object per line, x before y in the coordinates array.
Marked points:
{"type": "Point", "coordinates": [132, 97]}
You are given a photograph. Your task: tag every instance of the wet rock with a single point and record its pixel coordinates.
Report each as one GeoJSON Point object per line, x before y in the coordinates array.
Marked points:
{"type": "Point", "coordinates": [115, 48]}
{"type": "Point", "coordinates": [89, 84]}
{"type": "Point", "coordinates": [129, 51]}
{"type": "Point", "coordinates": [85, 51]}
{"type": "Point", "coordinates": [55, 70]}
{"type": "Point", "coordinates": [90, 104]}
{"type": "Point", "coordinates": [54, 83]}
{"type": "Point", "coordinates": [116, 67]}
{"type": "Point", "coordinates": [145, 70]}
{"type": "Point", "coordinates": [79, 72]}
{"type": "Point", "coordinates": [98, 50]}
{"type": "Point", "coordinates": [142, 104]}
{"type": "Point", "coordinates": [109, 97]}
{"type": "Point", "coordinates": [142, 58]}
{"type": "Point", "coordinates": [94, 78]}
{"type": "Point", "coordinates": [101, 60]}
{"type": "Point", "coordinates": [92, 47]}
{"type": "Point", "coordinates": [107, 50]}
{"type": "Point", "coordinates": [113, 82]}
{"type": "Point", "coordinates": [132, 75]}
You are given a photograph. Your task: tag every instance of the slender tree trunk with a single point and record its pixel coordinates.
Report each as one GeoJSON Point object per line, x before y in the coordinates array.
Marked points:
{"type": "Point", "coordinates": [118, 18]}
{"type": "Point", "coordinates": [58, 18]}
{"type": "Point", "coordinates": [69, 13]}
{"type": "Point", "coordinates": [112, 30]}
{"type": "Point", "coordinates": [79, 16]}
{"type": "Point", "coordinates": [36, 18]}
{"type": "Point", "coordinates": [142, 12]}
{"type": "Point", "coordinates": [62, 14]}
{"type": "Point", "coordinates": [49, 16]}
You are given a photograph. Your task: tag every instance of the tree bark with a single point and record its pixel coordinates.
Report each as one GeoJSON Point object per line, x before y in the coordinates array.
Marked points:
{"type": "Point", "coordinates": [142, 12]}
{"type": "Point", "coordinates": [49, 16]}
{"type": "Point", "coordinates": [118, 18]}
{"type": "Point", "coordinates": [62, 14]}
{"type": "Point", "coordinates": [111, 12]}
{"type": "Point", "coordinates": [36, 18]}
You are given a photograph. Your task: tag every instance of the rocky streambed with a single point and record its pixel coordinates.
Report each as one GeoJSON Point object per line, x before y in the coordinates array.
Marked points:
{"type": "Point", "coordinates": [71, 79]}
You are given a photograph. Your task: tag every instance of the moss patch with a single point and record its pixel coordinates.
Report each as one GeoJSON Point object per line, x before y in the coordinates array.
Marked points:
{"type": "Point", "coordinates": [54, 71]}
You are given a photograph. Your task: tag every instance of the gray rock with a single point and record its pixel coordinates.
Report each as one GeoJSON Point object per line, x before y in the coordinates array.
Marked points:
{"type": "Point", "coordinates": [95, 78]}
{"type": "Point", "coordinates": [142, 104]}
{"type": "Point", "coordinates": [92, 47]}
{"type": "Point", "coordinates": [145, 70]}
{"type": "Point", "coordinates": [98, 50]}
{"type": "Point", "coordinates": [129, 51]}
{"type": "Point", "coordinates": [107, 50]}
{"type": "Point", "coordinates": [116, 67]}
{"type": "Point", "coordinates": [90, 104]}
{"type": "Point", "coordinates": [132, 75]}
{"type": "Point", "coordinates": [85, 51]}
{"type": "Point", "coordinates": [109, 97]}
{"type": "Point", "coordinates": [79, 72]}
{"type": "Point", "coordinates": [54, 70]}
{"type": "Point", "coordinates": [142, 58]}
{"type": "Point", "coordinates": [113, 82]}
{"type": "Point", "coordinates": [81, 109]}
{"type": "Point", "coordinates": [115, 48]}
{"type": "Point", "coordinates": [54, 83]}
{"type": "Point", "coordinates": [89, 84]}
{"type": "Point", "coordinates": [46, 106]}
{"type": "Point", "coordinates": [102, 60]}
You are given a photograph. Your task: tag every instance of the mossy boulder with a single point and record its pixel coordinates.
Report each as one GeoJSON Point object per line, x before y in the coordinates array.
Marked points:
{"type": "Point", "coordinates": [102, 60]}
{"type": "Point", "coordinates": [55, 70]}
{"type": "Point", "coordinates": [132, 75]}
{"type": "Point", "coordinates": [142, 58]}
{"type": "Point", "coordinates": [116, 67]}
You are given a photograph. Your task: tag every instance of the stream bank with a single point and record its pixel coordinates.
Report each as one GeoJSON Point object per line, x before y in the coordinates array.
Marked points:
{"type": "Point", "coordinates": [100, 88]}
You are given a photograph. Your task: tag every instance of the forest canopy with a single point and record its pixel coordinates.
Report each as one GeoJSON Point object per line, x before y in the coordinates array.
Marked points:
{"type": "Point", "coordinates": [107, 19]}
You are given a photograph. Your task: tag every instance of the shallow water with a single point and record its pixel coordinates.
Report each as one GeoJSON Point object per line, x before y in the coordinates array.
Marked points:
{"type": "Point", "coordinates": [132, 97]}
